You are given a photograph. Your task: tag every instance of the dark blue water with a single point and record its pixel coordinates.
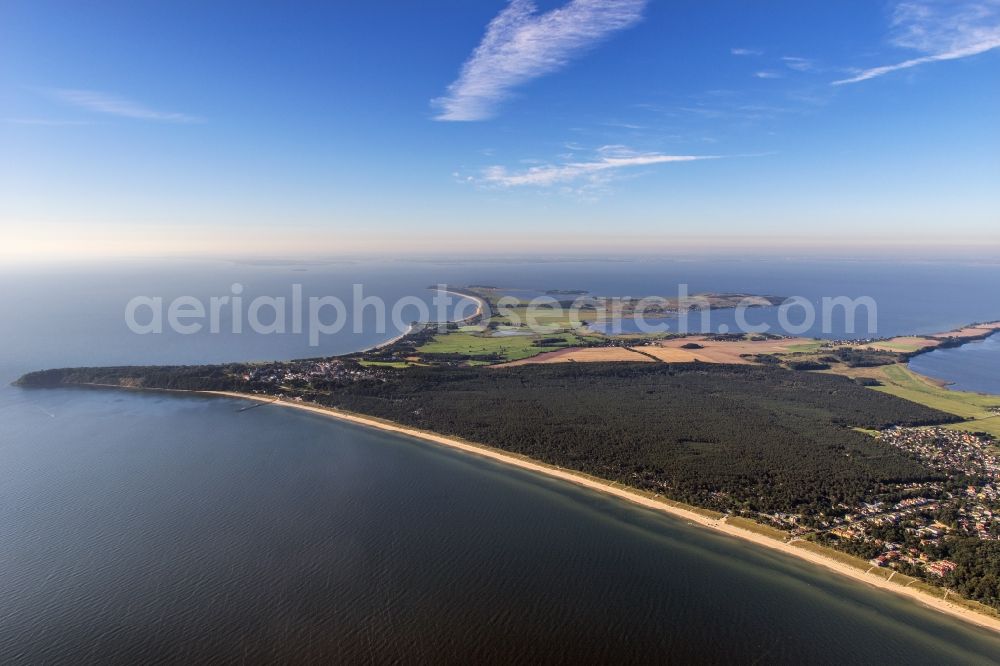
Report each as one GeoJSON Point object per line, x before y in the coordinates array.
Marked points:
{"type": "Point", "coordinates": [141, 527]}
{"type": "Point", "coordinates": [972, 367]}
{"type": "Point", "coordinates": [144, 528]}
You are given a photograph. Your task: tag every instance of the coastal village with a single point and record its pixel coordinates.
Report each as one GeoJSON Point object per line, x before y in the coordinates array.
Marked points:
{"type": "Point", "coordinates": [905, 527]}
{"type": "Point", "coordinates": [274, 378]}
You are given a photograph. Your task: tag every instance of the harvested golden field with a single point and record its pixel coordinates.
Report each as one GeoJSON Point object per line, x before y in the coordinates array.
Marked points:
{"type": "Point", "coordinates": [970, 331]}
{"type": "Point", "coordinates": [905, 343]}
{"type": "Point", "coordinates": [672, 351]}
{"type": "Point", "coordinates": [715, 351]}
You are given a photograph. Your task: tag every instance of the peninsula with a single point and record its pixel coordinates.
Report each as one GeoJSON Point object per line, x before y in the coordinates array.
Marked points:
{"type": "Point", "coordinates": [796, 444]}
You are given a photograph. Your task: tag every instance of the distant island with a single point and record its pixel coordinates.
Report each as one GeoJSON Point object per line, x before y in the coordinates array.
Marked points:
{"type": "Point", "coordinates": [830, 450]}
{"type": "Point", "coordinates": [498, 331]}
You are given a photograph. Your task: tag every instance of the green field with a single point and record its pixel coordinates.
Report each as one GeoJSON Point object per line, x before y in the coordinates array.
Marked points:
{"type": "Point", "coordinates": [555, 318]}
{"type": "Point", "coordinates": [902, 382]}
{"type": "Point", "coordinates": [511, 348]}
{"type": "Point", "coordinates": [806, 347]}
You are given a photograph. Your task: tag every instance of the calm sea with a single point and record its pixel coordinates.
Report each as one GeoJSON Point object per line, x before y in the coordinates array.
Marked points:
{"type": "Point", "coordinates": [156, 528]}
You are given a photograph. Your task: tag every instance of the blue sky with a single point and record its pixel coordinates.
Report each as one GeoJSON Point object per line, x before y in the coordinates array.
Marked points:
{"type": "Point", "coordinates": [140, 127]}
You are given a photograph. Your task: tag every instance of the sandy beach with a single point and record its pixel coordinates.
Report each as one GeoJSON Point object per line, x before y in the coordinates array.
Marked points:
{"type": "Point", "coordinates": [391, 341]}
{"type": "Point", "coordinates": [480, 306]}
{"type": "Point", "coordinates": [688, 514]}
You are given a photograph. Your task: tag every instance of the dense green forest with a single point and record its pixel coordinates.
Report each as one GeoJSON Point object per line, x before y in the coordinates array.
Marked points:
{"type": "Point", "coordinates": [730, 437]}
{"type": "Point", "coordinates": [178, 377]}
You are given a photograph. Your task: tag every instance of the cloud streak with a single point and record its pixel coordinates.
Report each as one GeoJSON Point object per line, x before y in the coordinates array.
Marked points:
{"type": "Point", "coordinates": [113, 105]}
{"type": "Point", "coordinates": [943, 30]}
{"type": "Point", "coordinates": [798, 64]}
{"type": "Point", "coordinates": [521, 45]}
{"type": "Point", "coordinates": [610, 160]}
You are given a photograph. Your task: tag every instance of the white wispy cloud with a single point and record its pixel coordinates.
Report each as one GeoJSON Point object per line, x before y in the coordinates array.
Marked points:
{"type": "Point", "coordinates": [609, 160]}
{"type": "Point", "coordinates": [745, 52]}
{"type": "Point", "coordinates": [767, 74]}
{"type": "Point", "coordinates": [942, 29]}
{"type": "Point", "coordinates": [520, 45]}
{"type": "Point", "coordinates": [798, 64]}
{"type": "Point", "coordinates": [100, 102]}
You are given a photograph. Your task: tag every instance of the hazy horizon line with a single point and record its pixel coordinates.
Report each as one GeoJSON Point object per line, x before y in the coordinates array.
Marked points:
{"type": "Point", "coordinates": [980, 253]}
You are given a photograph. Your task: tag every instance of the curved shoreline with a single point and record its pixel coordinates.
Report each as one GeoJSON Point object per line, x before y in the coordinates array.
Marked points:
{"type": "Point", "coordinates": [480, 302]}
{"type": "Point", "coordinates": [391, 341]}
{"type": "Point", "coordinates": [675, 509]}
{"type": "Point", "coordinates": [804, 551]}
{"type": "Point", "coordinates": [480, 308]}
